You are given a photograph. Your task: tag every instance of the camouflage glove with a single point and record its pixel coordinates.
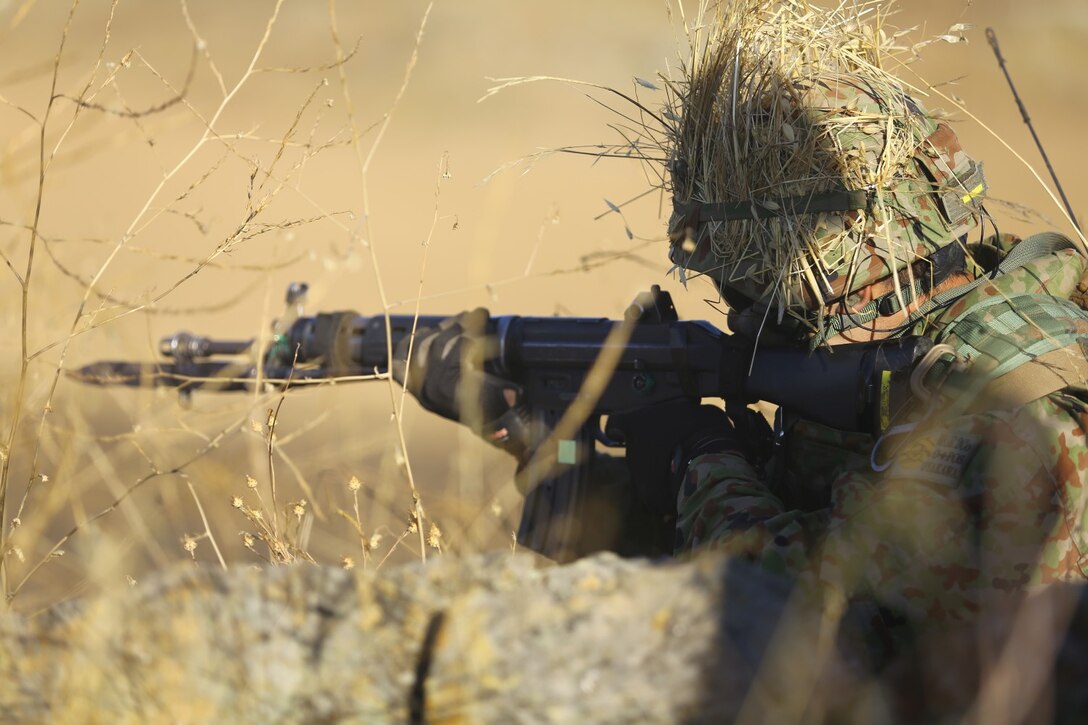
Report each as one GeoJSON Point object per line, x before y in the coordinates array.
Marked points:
{"type": "Point", "coordinates": [447, 375]}
{"type": "Point", "coordinates": [662, 439]}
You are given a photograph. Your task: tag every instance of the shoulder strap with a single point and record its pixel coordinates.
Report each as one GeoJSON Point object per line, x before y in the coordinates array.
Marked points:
{"type": "Point", "coordinates": [1037, 378]}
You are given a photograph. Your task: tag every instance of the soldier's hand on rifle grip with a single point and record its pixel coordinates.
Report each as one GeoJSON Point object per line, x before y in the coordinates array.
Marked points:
{"type": "Point", "coordinates": [444, 368]}
{"type": "Point", "coordinates": [662, 439]}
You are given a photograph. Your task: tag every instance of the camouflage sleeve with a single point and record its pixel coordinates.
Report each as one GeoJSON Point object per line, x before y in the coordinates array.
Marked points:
{"type": "Point", "coordinates": [722, 504]}
{"type": "Point", "coordinates": [979, 506]}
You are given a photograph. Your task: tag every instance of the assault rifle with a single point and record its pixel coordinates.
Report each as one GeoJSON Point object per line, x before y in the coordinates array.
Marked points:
{"type": "Point", "coordinates": [857, 387]}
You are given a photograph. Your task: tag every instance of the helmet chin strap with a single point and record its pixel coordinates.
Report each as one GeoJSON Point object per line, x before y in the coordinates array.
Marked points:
{"type": "Point", "coordinates": [1034, 247]}
{"type": "Point", "coordinates": [945, 262]}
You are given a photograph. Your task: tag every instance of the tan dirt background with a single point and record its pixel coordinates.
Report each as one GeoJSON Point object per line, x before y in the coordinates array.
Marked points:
{"type": "Point", "coordinates": [498, 244]}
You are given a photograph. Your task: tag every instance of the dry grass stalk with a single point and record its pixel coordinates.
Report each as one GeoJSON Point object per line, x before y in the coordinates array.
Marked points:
{"type": "Point", "coordinates": [367, 238]}
{"type": "Point", "coordinates": [286, 542]}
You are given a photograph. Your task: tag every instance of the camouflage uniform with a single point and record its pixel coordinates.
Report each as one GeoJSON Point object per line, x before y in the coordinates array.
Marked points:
{"type": "Point", "coordinates": [970, 506]}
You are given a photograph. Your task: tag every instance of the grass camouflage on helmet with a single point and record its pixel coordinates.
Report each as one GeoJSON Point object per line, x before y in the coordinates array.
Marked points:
{"type": "Point", "coordinates": [801, 170]}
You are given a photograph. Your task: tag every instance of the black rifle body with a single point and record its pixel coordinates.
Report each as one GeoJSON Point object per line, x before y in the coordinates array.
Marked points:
{"type": "Point", "coordinates": [853, 387]}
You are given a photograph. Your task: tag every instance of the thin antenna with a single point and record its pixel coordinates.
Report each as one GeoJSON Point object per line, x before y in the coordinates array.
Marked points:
{"type": "Point", "coordinates": [992, 37]}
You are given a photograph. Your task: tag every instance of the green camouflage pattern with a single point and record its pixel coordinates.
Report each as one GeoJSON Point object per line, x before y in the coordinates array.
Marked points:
{"type": "Point", "coordinates": [970, 508]}
{"type": "Point", "coordinates": [917, 205]}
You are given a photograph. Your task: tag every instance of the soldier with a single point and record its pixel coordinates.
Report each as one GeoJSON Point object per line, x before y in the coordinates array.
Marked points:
{"type": "Point", "coordinates": [980, 488]}
{"type": "Point", "coordinates": [850, 212]}
{"type": "Point", "coordinates": [828, 206]}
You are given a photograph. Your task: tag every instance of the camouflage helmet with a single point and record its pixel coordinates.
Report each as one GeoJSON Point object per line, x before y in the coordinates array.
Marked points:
{"type": "Point", "coordinates": [865, 183]}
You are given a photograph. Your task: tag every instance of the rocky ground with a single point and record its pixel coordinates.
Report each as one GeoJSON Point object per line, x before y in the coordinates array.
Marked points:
{"type": "Point", "coordinates": [500, 639]}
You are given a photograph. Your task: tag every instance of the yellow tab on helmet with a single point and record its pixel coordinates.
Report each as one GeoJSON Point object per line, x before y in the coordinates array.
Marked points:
{"type": "Point", "coordinates": [974, 192]}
